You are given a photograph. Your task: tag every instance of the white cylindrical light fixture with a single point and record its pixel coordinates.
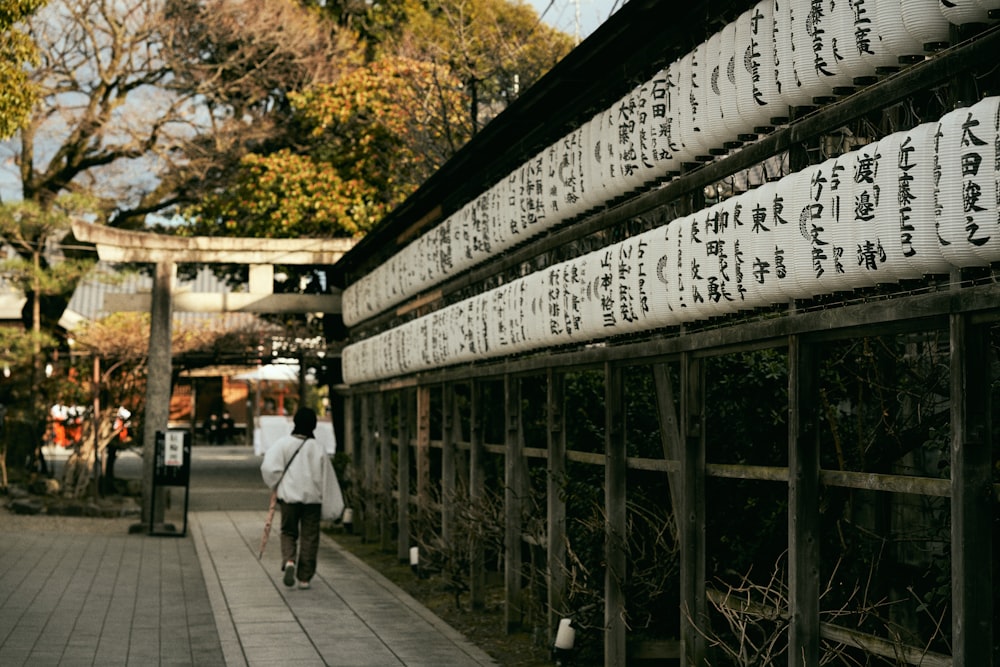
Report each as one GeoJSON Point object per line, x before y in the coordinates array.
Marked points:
{"type": "Point", "coordinates": [565, 635]}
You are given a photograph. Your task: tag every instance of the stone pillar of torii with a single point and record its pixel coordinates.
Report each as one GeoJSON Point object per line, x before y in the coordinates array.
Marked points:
{"type": "Point", "coordinates": [166, 252]}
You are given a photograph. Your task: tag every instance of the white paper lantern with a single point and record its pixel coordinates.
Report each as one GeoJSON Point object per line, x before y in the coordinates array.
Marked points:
{"type": "Point", "coordinates": [768, 266]}
{"type": "Point", "coordinates": [884, 265]}
{"type": "Point", "coordinates": [925, 23]}
{"type": "Point", "coordinates": [633, 272]}
{"type": "Point", "coordinates": [858, 42]}
{"type": "Point", "coordinates": [981, 177]}
{"type": "Point", "coordinates": [530, 210]}
{"type": "Point", "coordinates": [614, 180]}
{"type": "Point", "coordinates": [551, 186]}
{"type": "Point", "coordinates": [812, 38]}
{"type": "Point", "coordinates": [819, 224]}
{"type": "Point", "coordinates": [626, 125]}
{"type": "Point", "coordinates": [690, 132]}
{"type": "Point", "coordinates": [728, 255]}
{"type": "Point", "coordinates": [647, 172]}
{"type": "Point", "coordinates": [700, 84]}
{"type": "Point", "coordinates": [793, 210]}
{"type": "Point", "coordinates": [715, 124]}
{"type": "Point", "coordinates": [706, 268]}
{"type": "Point", "coordinates": [600, 159]}
{"type": "Point", "coordinates": [790, 87]}
{"type": "Point", "coordinates": [740, 240]}
{"type": "Point", "coordinates": [887, 212]}
{"type": "Point", "coordinates": [663, 124]}
{"type": "Point", "coordinates": [673, 275]}
{"type": "Point", "coordinates": [726, 82]}
{"type": "Point", "coordinates": [604, 265]}
{"type": "Point", "coordinates": [959, 240]}
{"type": "Point", "coordinates": [961, 12]}
{"type": "Point", "coordinates": [866, 262]}
{"type": "Point", "coordinates": [916, 200]}
{"type": "Point", "coordinates": [590, 131]}
{"type": "Point", "coordinates": [480, 225]}
{"type": "Point", "coordinates": [756, 83]}
{"type": "Point", "coordinates": [568, 304]}
{"type": "Point", "coordinates": [893, 35]}
{"type": "Point", "coordinates": [837, 25]}
{"type": "Point", "coordinates": [661, 312]}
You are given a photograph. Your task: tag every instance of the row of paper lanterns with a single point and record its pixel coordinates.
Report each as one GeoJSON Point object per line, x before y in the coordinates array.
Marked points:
{"type": "Point", "coordinates": [778, 54]}
{"type": "Point", "coordinates": [913, 204]}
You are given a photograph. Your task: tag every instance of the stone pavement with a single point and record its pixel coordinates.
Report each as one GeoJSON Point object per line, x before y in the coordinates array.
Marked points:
{"type": "Point", "coordinates": [205, 599]}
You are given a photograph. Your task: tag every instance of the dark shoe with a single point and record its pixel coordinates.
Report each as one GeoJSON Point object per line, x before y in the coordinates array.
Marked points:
{"type": "Point", "coordinates": [290, 573]}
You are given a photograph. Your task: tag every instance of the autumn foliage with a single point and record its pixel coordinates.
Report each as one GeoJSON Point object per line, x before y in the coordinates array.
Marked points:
{"type": "Point", "coordinates": [369, 140]}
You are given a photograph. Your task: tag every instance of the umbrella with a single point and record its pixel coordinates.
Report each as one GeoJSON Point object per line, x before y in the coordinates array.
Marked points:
{"type": "Point", "coordinates": [267, 524]}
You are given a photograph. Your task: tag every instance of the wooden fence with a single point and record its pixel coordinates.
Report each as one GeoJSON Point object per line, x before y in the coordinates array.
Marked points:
{"type": "Point", "coordinates": [429, 445]}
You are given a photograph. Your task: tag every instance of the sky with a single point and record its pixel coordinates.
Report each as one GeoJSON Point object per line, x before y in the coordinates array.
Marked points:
{"type": "Point", "coordinates": [561, 14]}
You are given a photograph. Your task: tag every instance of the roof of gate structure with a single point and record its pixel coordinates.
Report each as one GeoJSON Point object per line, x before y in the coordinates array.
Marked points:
{"type": "Point", "coordinates": [635, 42]}
{"type": "Point", "coordinates": [120, 245]}
{"type": "Point", "coordinates": [261, 254]}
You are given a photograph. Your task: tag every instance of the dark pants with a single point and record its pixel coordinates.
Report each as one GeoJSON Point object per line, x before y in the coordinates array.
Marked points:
{"type": "Point", "coordinates": [300, 533]}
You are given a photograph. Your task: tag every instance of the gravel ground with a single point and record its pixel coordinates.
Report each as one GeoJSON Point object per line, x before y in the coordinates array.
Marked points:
{"type": "Point", "coordinates": [45, 523]}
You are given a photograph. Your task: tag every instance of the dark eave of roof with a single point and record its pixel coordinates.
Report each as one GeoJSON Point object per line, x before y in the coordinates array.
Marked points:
{"type": "Point", "coordinates": [636, 41]}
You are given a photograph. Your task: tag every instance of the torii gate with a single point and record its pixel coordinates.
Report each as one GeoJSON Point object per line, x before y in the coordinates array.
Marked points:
{"type": "Point", "coordinates": [166, 252]}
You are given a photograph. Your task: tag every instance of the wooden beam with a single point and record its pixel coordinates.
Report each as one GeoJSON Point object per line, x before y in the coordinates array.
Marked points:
{"type": "Point", "coordinates": [514, 481]}
{"type": "Point", "coordinates": [971, 501]}
{"type": "Point", "coordinates": [691, 521]}
{"type": "Point", "coordinates": [385, 471]}
{"type": "Point", "coordinates": [369, 499]}
{"type": "Point", "coordinates": [670, 435]}
{"type": "Point", "coordinates": [803, 505]}
{"type": "Point", "coordinates": [450, 424]}
{"type": "Point", "coordinates": [403, 475]}
{"type": "Point", "coordinates": [477, 490]}
{"type": "Point", "coordinates": [555, 401]}
{"type": "Point", "coordinates": [418, 302]}
{"type": "Point", "coordinates": [231, 302]}
{"type": "Point", "coordinates": [423, 447]}
{"type": "Point", "coordinates": [615, 536]}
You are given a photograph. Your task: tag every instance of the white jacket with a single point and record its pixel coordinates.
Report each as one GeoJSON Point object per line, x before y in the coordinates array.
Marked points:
{"type": "Point", "coordinates": [310, 478]}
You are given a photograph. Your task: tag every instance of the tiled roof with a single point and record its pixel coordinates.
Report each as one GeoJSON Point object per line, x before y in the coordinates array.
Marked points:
{"type": "Point", "coordinates": [88, 300]}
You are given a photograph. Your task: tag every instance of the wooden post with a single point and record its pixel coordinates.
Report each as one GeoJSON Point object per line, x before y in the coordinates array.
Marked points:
{"type": "Point", "coordinates": [158, 377]}
{"type": "Point", "coordinates": [615, 542]}
{"type": "Point", "coordinates": [691, 522]}
{"type": "Point", "coordinates": [556, 506]}
{"type": "Point", "coordinates": [971, 494]}
{"type": "Point", "coordinates": [385, 470]}
{"type": "Point", "coordinates": [670, 436]}
{"type": "Point", "coordinates": [368, 504]}
{"type": "Point", "coordinates": [803, 505]}
{"type": "Point", "coordinates": [449, 422]}
{"type": "Point", "coordinates": [403, 477]}
{"type": "Point", "coordinates": [351, 445]}
{"type": "Point", "coordinates": [477, 485]}
{"type": "Point", "coordinates": [513, 481]}
{"type": "Point", "coordinates": [423, 450]}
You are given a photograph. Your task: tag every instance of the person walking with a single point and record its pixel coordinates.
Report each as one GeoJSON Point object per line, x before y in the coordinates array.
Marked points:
{"type": "Point", "coordinates": [297, 468]}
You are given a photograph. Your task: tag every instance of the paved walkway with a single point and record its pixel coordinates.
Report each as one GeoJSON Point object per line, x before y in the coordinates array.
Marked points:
{"type": "Point", "coordinates": [81, 599]}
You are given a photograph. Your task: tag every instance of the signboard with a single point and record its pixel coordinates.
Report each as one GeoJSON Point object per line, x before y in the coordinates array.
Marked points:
{"type": "Point", "coordinates": [172, 466]}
